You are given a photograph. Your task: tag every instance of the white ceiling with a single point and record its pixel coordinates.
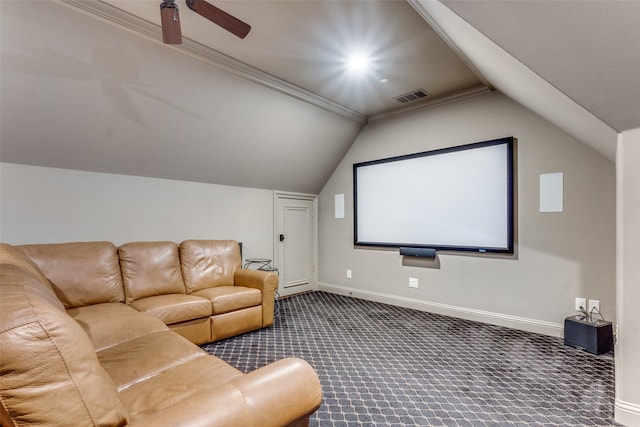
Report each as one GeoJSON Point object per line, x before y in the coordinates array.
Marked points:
{"type": "Point", "coordinates": [79, 92]}
{"type": "Point", "coordinates": [589, 50]}
{"type": "Point", "coordinates": [307, 43]}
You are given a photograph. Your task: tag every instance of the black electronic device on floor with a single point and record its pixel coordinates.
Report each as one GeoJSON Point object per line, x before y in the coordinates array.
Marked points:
{"type": "Point", "coordinates": [592, 335]}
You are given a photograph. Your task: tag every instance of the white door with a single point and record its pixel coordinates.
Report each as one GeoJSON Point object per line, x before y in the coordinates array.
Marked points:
{"type": "Point", "coordinates": [295, 241]}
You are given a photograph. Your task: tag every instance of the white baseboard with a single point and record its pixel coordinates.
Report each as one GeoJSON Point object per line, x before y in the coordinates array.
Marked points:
{"type": "Point", "coordinates": [626, 413]}
{"type": "Point", "coordinates": [515, 322]}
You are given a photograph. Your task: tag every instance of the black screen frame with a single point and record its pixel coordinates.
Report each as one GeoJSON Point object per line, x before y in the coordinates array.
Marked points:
{"type": "Point", "coordinates": [508, 249]}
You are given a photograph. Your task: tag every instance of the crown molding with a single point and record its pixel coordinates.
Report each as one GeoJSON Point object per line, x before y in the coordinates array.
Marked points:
{"type": "Point", "coordinates": [112, 14]}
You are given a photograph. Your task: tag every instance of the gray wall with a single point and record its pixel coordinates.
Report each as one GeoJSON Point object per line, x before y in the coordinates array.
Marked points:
{"type": "Point", "coordinates": [47, 205]}
{"type": "Point", "coordinates": [560, 255]}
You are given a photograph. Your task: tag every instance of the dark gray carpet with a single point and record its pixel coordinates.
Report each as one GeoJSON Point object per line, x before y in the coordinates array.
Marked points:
{"type": "Point", "coordinates": [382, 365]}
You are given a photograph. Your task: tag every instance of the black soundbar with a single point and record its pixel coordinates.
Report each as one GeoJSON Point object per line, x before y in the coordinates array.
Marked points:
{"type": "Point", "coordinates": [421, 252]}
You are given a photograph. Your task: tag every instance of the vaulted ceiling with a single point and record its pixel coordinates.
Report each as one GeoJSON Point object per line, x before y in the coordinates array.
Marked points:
{"type": "Point", "coordinates": [88, 84]}
{"type": "Point", "coordinates": [589, 50]}
{"type": "Point", "coordinates": [304, 46]}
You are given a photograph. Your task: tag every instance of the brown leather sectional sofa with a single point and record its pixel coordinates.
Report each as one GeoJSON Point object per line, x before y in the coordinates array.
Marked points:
{"type": "Point", "coordinates": [94, 335]}
{"type": "Point", "coordinates": [197, 287]}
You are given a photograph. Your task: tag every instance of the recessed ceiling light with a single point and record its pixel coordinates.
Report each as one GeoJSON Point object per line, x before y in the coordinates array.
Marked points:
{"type": "Point", "coordinates": [384, 80]}
{"type": "Point", "coordinates": [358, 62]}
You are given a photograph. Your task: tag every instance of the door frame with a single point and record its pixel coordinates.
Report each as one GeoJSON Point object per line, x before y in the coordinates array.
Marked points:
{"type": "Point", "coordinates": [313, 245]}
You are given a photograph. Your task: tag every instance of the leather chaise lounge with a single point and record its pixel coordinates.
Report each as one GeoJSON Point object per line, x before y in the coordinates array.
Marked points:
{"type": "Point", "coordinates": [94, 335]}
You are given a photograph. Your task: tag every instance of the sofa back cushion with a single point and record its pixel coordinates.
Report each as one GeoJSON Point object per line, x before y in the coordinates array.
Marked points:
{"type": "Point", "coordinates": [150, 268]}
{"type": "Point", "coordinates": [209, 263]}
{"type": "Point", "coordinates": [50, 372]}
{"type": "Point", "coordinates": [82, 273]}
{"type": "Point", "coordinates": [13, 256]}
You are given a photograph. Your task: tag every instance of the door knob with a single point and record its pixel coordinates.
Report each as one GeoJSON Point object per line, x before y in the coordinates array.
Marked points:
{"type": "Point", "coordinates": [282, 237]}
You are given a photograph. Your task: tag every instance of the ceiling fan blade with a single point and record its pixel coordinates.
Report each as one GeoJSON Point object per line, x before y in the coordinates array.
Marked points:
{"type": "Point", "coordinates": [220, 17]}
{"type": "Point", "coordinates": [171, 33]}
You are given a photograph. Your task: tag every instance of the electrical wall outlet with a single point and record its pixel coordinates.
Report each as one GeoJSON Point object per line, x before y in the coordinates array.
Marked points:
{"type": "Point", "coordinates": [581, 304]}
{"type": "Point", "coordinates": [348, 274]}
{"type": "Point", "coordinates": [594, 306]}
{"type": "Point", "coordinates": [413, 282]}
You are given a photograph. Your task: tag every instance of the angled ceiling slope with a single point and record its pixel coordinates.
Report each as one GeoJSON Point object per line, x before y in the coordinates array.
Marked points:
{"type": "Point", "coordinates": [575, 64]}
{"type": "Point", "coordinates": [81, 93]}
{"type": "Point", "coordinates": [589, 50]}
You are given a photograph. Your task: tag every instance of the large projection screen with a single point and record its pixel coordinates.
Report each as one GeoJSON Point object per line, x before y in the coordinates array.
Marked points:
{"type": "Point", "coordinates": [459, 198]}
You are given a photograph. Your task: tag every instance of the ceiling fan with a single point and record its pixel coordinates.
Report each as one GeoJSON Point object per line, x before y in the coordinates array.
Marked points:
{"type": "Point", "coordinates": [171, 33]}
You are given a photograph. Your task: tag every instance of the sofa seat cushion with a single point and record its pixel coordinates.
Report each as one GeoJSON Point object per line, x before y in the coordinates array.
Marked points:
{"type": "Point", "coordinates": [142, 358]}
{"type": "Point", "coordinates": [180, 385]}
{"type": "Point", "coordinates": [225, 299]}
{"type": "Point", "coordinates": [114, 323]}
{"type": "Point", "coordinates": [174, 308]}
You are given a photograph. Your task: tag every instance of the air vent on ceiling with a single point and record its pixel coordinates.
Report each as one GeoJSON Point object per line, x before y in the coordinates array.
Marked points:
{"type": "Point", "coordinates": [412, 96]}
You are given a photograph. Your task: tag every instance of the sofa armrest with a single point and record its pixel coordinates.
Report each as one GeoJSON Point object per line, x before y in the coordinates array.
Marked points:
{"type": "Point", "coordinates": [267, 282]}
{"type": "Point", "coordinates": [275, 395]}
